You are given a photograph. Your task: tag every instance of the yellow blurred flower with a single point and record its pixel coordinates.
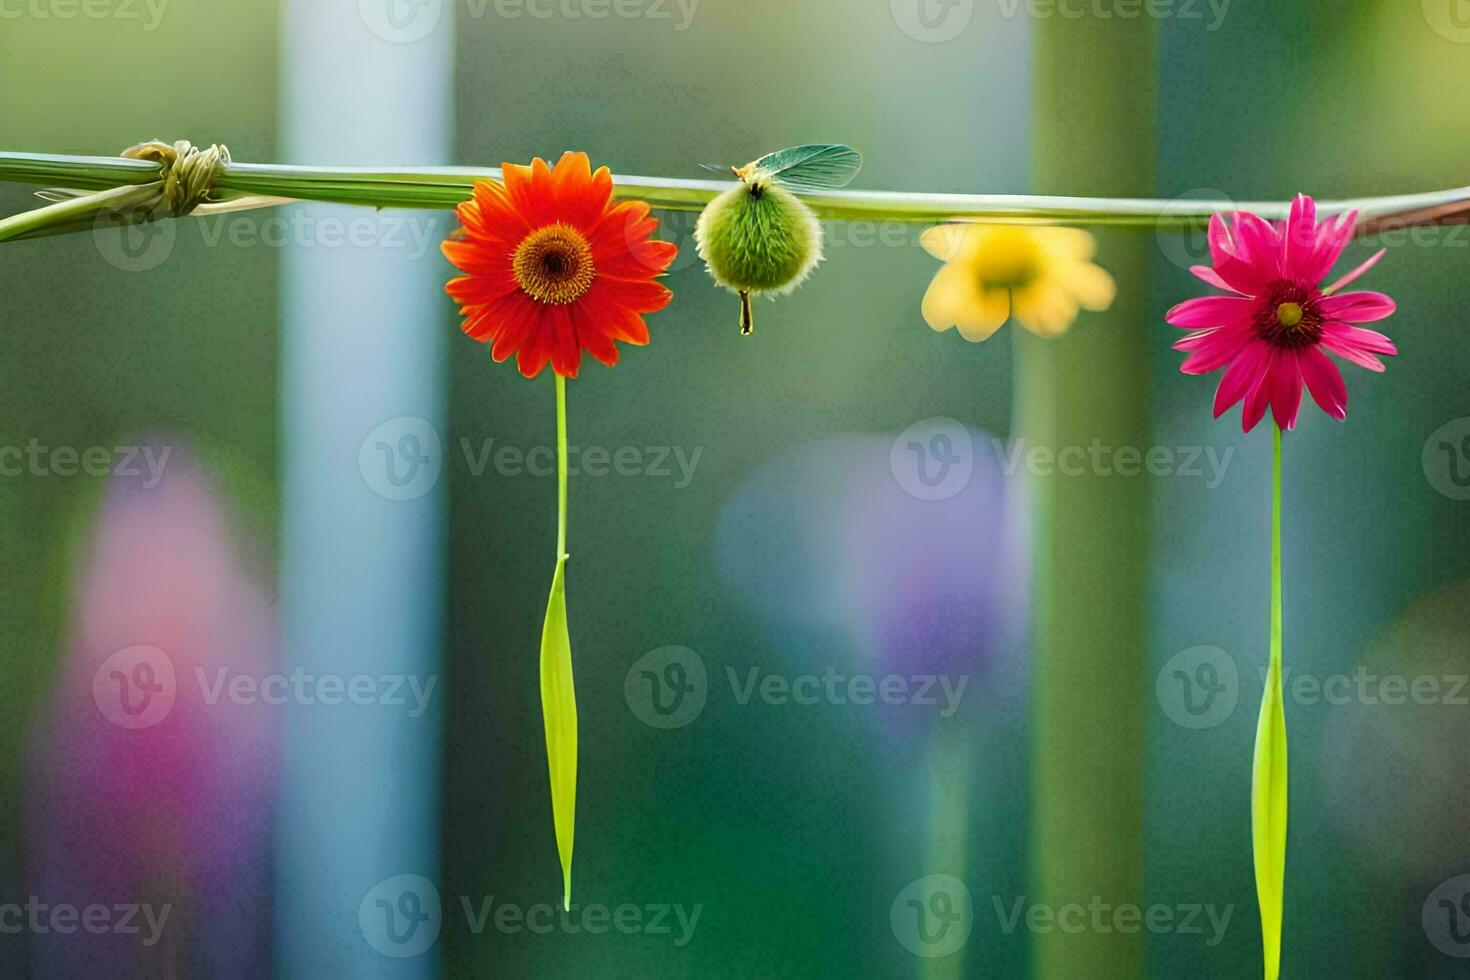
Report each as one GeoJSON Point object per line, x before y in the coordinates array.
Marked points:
{"type": "Point", "coordinates": [1041, 276]}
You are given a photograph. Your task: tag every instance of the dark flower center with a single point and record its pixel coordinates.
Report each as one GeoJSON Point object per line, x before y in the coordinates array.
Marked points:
{"type": "Point", "coordinates": [554, 265]}
{"type": "Point", "coordinates": [1289, 315]}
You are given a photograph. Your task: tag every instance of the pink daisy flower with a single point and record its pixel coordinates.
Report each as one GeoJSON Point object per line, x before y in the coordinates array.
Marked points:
{"type": "Point", "coordinates": [1270, 330]}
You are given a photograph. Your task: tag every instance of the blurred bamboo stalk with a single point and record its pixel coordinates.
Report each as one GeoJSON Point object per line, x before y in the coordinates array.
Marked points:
{"type": "Point", "coordinates": [259, 185]}
{"type": "Point", "coordinates": [949, 765]}
{"type": "Point", "coordinates": [1090, 533]}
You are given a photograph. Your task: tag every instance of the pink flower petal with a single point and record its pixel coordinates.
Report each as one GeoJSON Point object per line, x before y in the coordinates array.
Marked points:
{"type": "Point", "coordinates": [1215, 350]}
{"type": "Point", "coordinates": [1333, 236]}
{"type": "Point", "coordinates": [1212, 277]}
{"type": "Point", "coordinates": [1194, 340]}
{"type": "Point", "coordinates": [1241, 376]}
{"type": "Point", "coordinates": [1258, 397]}
{"type": "Point", "coordinates": [1230, 265]}
{"type": "Point", "coordinates": [1356, 272]}
{"type": "Point", "coordinates": [1210, 311]}
{"type": "Point", "coordinates": [1324, 381]}
{"type": "Point", "coordinates": [1259, 244]}
{"type": "Point", "coordinates": [1359, 337]}
{"type": "Point", "coordinates": [1357, 307]}
{"type": "Point", "coordinates": [1286, 389]}
{"type": "Point", "coordinates": [1357, 355]}
{"type": "Point", "coordinates": [1299, 239]}
{"type": "Point", "coordinates": [1222, 245]}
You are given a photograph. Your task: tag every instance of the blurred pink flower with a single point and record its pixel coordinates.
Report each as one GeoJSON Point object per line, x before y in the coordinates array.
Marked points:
{"type": "Point", "coordinates": [147, 782]}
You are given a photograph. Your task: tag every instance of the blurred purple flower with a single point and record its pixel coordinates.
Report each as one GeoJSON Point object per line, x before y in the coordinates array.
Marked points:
{"type": "Point", "coordinates": [852, 535]}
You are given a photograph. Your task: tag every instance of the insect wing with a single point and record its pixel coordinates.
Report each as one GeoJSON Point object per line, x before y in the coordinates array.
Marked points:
{"type": "Point", "coordinates": [813, 167]}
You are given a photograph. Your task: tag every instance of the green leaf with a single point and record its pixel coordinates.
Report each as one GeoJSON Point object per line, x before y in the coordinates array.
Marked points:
{"type": "Point", "coordinates": [1268, 778]}
{"type": "Point", "coordinates": [1268, 819]}
{"type": "Point", "coordinates": [559, 709]}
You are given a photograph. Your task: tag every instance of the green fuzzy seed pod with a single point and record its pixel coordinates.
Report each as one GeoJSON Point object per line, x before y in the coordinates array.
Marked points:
{"type": "Point", "coordinates": [759, 239]}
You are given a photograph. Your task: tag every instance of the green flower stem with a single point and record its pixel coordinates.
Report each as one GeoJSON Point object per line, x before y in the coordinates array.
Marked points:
{"type": "Point", "coordinates": [558, 694]}
{"type": "Point", "coordinates": [77, 213]}
{"type": "Point", "coordinates": [561, 468]}
{"type": "Point", "coordinates": [445, 187]}
{"type": "Point", "coordinates": [1268, 778]}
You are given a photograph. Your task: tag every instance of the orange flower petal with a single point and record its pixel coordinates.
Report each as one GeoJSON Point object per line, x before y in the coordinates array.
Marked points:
{"type": "Point", "coordinates": [622, 223]}
{"type": "Point", "coordinates": [643, 260]}
{"type": "Point", "coordinates": [536, 349]}
{"type": "Point", "coordinates": [640, 297]}
{"type": "Point", "coordinates": [566, 351]}
{"type": "Point", "coordinates": [520, 321]}
{"type": "Point", "coordinates": [476, 258]}
{"type": "Point", "coordinates": [480, 289]}
{"type": "Point", "coordinates": [519, 188]}
{"type": "Point", "coordinates": [491, 215]}
{"type": "Point", "coordinates": [592, 337]}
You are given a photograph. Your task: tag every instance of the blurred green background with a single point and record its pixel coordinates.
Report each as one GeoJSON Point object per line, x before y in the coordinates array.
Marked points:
{"type": "Point", "coordinates": [796, 827]}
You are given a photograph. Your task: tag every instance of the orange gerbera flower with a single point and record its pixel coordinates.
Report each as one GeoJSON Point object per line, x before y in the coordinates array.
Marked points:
{"type": "Point", "coordinates": [554, 268]}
